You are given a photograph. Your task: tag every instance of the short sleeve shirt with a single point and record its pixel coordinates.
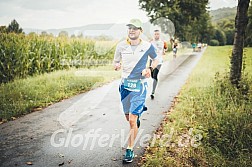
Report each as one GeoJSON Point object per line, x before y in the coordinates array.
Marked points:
{"type": "Point", "coordinates": [134, 62]}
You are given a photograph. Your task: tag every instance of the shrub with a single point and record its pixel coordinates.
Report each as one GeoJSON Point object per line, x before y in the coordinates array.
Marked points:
{"type": "Point", "coordinates": [214, 42]}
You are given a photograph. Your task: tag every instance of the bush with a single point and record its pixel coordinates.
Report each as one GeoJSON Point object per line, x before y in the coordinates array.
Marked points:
{"type": "Point", "coordinates": [230, 37]}
{"type": "Point", "coordinates": [229, 124]}
{"type": "Point", "coordinates": [220, 36]}
{"type": "Point", "coordinates": [214, 42]}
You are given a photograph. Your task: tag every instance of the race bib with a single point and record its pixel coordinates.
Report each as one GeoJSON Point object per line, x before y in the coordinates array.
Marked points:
{"type": "Point", "coordinates": [132, 84]}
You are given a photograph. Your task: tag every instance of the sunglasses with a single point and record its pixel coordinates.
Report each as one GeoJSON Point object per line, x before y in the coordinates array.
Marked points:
{"type": "Point", "coordinates": [134, 28]}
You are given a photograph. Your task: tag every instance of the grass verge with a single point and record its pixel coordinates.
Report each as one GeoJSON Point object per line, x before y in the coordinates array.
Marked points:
{"type": "Point", "coordinates": [23, 96]}
{"type": "Point", "coordinates": [210, 122]}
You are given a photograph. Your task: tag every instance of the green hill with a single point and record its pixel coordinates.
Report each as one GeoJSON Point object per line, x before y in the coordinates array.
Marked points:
{"type": "Point", "coordinates": [223, 14]}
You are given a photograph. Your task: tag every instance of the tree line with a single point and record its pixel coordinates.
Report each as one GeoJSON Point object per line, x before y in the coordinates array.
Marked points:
{"type": "Point", "coordinates": [193, 22]}
{"type": "Point", "coordinates": [13, 27]}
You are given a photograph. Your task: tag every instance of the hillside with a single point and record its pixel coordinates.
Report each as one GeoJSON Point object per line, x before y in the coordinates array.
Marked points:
{"type": "Point", "coordinates": [116, 31]}
{"type": "Point", "coordinates": [89, 30]}
{"type": "Point", "coordinates": [222, 14]}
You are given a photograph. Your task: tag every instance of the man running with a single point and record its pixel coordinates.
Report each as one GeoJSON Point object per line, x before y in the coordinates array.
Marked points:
{"type": "Point", "coordinates": [160, 47]}
{"type": "Point", "coordinates": [133, 53]}
{"type": "Point", "coordinates": [175, 49]}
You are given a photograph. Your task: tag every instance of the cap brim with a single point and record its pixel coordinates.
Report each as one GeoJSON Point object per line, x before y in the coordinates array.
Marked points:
{"type": "Point", "coordinates": [132, 25]}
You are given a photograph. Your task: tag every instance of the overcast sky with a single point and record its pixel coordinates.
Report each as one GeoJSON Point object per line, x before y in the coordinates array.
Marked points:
{"type": "Point", "coordinates": [47, 14]}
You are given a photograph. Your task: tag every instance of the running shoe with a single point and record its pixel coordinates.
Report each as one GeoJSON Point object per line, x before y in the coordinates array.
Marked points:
{"type": "Point", "coordinates": [145, 108]}
{"type": "Point", "coordinates": [129, 156]}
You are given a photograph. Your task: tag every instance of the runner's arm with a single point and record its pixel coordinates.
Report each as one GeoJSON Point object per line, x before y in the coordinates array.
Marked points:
{"type": "Point", "coordinates": [153, 55]}
{"type": "Point", "coordinates": [117, 59]}
{"type": "Point", "coordinates": [154, 63]}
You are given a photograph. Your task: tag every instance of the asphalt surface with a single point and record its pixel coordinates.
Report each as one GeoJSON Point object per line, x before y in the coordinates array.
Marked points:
{"type": "Point", "coordinates": [90, 129]}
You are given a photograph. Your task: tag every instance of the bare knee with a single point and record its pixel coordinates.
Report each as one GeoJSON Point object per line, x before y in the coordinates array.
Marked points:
{"type": "Point", "coordinates": [132, 120]}
{"type": "Point", "coordinates": [132, 123]}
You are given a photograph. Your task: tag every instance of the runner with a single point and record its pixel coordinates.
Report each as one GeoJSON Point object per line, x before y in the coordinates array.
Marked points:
{"type": "Point", "coordinates": [199, 46]}
{"type": "Point", "coordinates": [194, 47]}
{"type": "Point", "coordinates": [133, 53]}
{"type": "Point", "coordinates": [160, 47]}
{"type": "Point", "coordinates": [175, 49]}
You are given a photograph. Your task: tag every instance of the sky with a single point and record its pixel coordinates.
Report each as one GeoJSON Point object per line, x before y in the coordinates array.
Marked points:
{"type": "Point", "coordinates": [56, 14]}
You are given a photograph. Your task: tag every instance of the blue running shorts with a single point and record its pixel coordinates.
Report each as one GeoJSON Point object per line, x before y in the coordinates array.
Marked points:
{"type": "Point", "coordinates": [133, 102]}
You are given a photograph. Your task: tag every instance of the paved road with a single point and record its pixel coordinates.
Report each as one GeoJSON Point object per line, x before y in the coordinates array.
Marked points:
{"type": "Point", "coordinates": [89, 129]}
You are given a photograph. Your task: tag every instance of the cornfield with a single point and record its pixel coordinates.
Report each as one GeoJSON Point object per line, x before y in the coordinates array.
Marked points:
{"type": "Point", "coordinates": [22, 56]}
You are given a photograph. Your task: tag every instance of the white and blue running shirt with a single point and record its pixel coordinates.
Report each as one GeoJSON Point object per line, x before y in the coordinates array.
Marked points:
{"type": "Point", "coordinates": [134, 61]}
{"type": "Point", "coordinates": [159, 47]}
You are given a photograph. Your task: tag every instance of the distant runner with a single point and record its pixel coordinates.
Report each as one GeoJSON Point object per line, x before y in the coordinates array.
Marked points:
{"type": "Point", "coordinates": [160, 48]}
{"type": "Point", "coordinates": [199, 46]}
{"type": "Point", "coordinates": [175, 49]}
{"type": "Point", "coordinates": [133, 53]}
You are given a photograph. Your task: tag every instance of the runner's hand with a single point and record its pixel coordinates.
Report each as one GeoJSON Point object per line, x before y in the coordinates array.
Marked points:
{"type": "Point", "coordinates": [117, 66]}
{"type": "Point", "coordinates": [146, 73]}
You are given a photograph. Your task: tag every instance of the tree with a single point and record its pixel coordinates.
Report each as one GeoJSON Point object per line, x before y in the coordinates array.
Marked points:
{"type": "Point", "coordinates": [72, 36]}
{"type": "Point", "coordinates": [188, 16]}
{"type": "Point", "coordinates": [220, 36]}
{"type": "Point", "coordinates": [63, 34]}
{"type": "Point", "coordinates": [241, 21]}
{"type": "Point", "coordinates": [227, 26]}
{"type": "Point", "coordinates": [32, 34]}
{"type": "Point", "coordinates": [248, 38]}
{"type": "Point", "coordinates": [229, 36]}
{"type": "Point", "coordinates": [204, 29]}
{"type": "Point", "coordinates": [80, 35]}
{"type": "Point", "coordinates": [14, 27]}
{"type": "Point", "coordinates": [46, 34]}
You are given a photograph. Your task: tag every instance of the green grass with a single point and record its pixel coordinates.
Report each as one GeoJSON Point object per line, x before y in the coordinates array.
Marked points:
{"type": "Point", "coordinates": [218, 115]}
{"type": "Point", "coordinates": [23, 96]}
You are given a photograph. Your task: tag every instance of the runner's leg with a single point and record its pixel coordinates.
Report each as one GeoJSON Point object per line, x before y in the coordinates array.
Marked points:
{"type": "Point", "coordinates": [155, 78]}
{"type": "Point", "coordinates": [133, 130]}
